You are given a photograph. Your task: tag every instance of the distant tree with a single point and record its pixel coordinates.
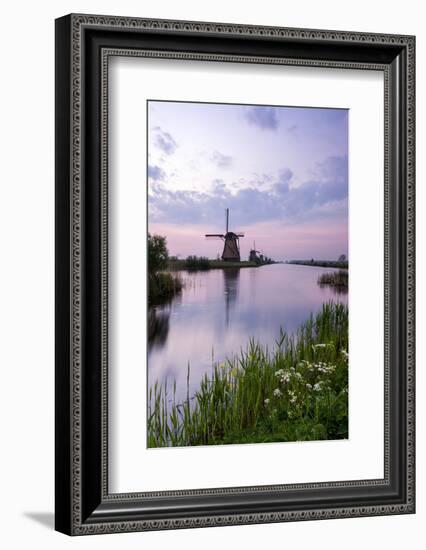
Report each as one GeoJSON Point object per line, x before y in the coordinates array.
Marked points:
{"type": "Point", "coordinates": [342, 258]}
{"type": "Point", "coordinates": [157, 253]}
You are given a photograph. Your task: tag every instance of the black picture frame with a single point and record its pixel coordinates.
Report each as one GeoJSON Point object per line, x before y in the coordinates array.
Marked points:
{"type": "Point", "coordinates": [83, 504]}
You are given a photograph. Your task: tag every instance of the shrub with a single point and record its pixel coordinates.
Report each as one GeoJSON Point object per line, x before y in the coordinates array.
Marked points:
{"type": "Point", "coordinates": [197, 262]}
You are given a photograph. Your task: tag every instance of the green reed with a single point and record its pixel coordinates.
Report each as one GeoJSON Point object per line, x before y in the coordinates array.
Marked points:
{"type": "Point", "coordinates": [335, 278]}
{"type": "Point", "coordinates": [296, 391]}
{"type": "Point", "coordinates": [163, 286]}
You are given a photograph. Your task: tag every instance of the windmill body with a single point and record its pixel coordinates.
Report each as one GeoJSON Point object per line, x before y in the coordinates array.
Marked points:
{"type": "Point", "coordinates": [253, 257]}
{"type": "Point", "coordinates": [231, 247]}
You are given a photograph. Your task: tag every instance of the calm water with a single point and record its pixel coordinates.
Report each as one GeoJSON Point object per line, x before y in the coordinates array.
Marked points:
{"type": "Point", "coordinates": [219, 310]}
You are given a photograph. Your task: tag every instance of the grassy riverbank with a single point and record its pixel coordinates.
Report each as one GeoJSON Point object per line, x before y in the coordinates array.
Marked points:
{"type": "Point", "coordinates": [182, 265]}
{"type": "Point", "coordinates": [335, 278]}
{"type": "Point", "coordinates": [163, 286]}
{"type": "Point", "coordinates": [296, 391]}
{"type": "Point", "coordinates": [321, 263]}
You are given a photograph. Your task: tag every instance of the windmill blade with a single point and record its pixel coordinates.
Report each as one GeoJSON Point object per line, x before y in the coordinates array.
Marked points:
{"type": "Point", "coordinates": [214, 236]}
{"type": "Point", "coordinates": [240, 234]}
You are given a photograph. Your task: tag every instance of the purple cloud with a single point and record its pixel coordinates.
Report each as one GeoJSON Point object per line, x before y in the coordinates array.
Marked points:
{"type": "Point", "coordinates": [282, 186]}
{"type": "Point", "coordinates": [156, 173]}
{"type": "Point", "coordinates": [263, 117]}
{"type": "Point", "coordinates": [322, 196]}
{"type": "Point", "coordinates": [164, 141]}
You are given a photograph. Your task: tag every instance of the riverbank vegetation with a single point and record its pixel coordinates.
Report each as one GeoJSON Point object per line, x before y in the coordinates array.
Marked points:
{"type": "Point", "coordinates": [197, 263]}
{"type": "Point", "coordinates": [175, 264]}
{"type": "Point", "coordinates": [297, 391]}
{"type": "Point", "coordinates": [335, 278]}
{"type": "Point", "coordinates": [162, 285]}
{"type": "Point", "coordinates": [339, 264]}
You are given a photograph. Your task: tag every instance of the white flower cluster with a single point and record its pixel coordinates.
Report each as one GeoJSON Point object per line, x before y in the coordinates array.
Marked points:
{"type": "Point", "coordinates": [292, 396]}
{"type": "Point", "coordinates": [291, 375]}
{"type": "Point", "coordinates": [316, 387]}
{"type": "Point", "coordinates": [284, 376]}
{"type": "Point", "coordinates": [325, 368]}
{"type": "Point", "coordinates": [345, 354]}
{"type": "Point", "coordinates": [323, 346]}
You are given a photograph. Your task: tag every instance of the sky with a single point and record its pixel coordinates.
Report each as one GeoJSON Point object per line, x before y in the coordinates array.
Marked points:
{"type": "Point", "coordinates": [281, 171]}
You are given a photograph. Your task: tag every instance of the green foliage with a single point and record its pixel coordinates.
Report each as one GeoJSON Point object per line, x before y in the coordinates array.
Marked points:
{"type": "Point", "coordinates": [335, 278]}
{"type": "Point", "coordinates": [296, 392]}
{"type": "Point", "coordinates": [197, 262]}
{"type": "Point", "coordinates": [157, 253]}
{"type": "Point", "coordinates": [321, 263]}
{"type": "Point", "coordinates": [161, 285]}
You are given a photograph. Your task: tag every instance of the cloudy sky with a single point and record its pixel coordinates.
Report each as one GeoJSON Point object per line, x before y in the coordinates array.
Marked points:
{"type": "Point", "coordinates": [282, 172]}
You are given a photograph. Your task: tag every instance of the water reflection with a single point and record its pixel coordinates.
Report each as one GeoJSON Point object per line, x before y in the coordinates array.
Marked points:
{"type": "Point", "coordinates": [218, 312]}
{"type": "Point", "coordinates": [335, 289]}
{"type": "Point", "coordinates": [231, 277]}
{"type": "Point", "coordinates": [158, 327]}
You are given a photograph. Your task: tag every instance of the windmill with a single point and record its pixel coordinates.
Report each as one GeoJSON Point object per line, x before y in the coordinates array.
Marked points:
{"type": "Point", "coordinates": [231, 247]}
{"type": "Point", "coordinates": [253, 257]}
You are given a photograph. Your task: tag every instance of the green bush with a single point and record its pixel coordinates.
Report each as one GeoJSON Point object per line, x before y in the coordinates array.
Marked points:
{"type": "Point", "coordinates": [335, 278]}
{"type": "Point", "coordinates": [163, 286]}
{"type": "Point", "coordinates": [197, 262]}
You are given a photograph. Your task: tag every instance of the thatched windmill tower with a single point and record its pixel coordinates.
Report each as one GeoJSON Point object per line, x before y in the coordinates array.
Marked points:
{"type": "Point", "coordinates": [231, 247]}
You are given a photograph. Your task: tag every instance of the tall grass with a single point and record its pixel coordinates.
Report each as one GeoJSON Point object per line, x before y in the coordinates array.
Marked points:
{"type": "Point", "coordinates": [335, 278]}
{"type": "Point", "coordinates": [197, 263]}
{"type": "Point", "coordinates": [163, 285]}
{"type": "Point", "coordinates": [296, 391]}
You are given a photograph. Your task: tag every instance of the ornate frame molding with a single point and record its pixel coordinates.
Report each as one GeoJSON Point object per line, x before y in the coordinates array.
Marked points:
{"type": "Point", "coordinates": [72, 46]}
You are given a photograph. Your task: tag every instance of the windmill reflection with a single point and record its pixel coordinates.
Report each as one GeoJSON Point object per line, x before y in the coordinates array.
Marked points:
{"type": "Point", "coordinates": [158, 327]}
{"type": "Point", "coordinates": [231, 279]}
{"type": "Point", "coordinates": [338, 290]}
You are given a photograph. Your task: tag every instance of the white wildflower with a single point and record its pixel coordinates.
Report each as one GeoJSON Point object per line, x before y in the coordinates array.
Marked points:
{"type": "Point", "coordinates": [285, 378]}
{"type": "Point", "coordinates": [316, 346]}
{"type": "Point", "coordinates": [277, 392]}
{"type": "Point", "coordinates": [279, 372]}
{"type": "Point", "coordinates": [309, 386]}
{"type": "Point", "coordinates": [317, 386]}
{"type": "Point", "coordinates": [267, 401]}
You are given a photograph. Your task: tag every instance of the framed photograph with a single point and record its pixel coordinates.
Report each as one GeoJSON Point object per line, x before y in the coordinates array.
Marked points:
{"type": "Point", "coordinates": [234, 274]}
